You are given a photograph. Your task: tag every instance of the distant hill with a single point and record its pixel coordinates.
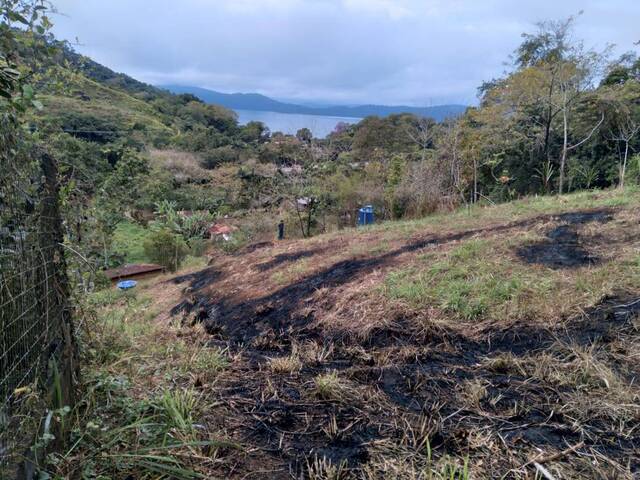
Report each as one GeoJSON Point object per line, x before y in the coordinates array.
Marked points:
{"type": "Point", "coordinates": [255, 101]}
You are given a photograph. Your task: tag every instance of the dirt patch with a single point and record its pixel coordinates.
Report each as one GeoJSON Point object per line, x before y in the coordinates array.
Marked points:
{"type": "Point", "coordinates": [563, 247]}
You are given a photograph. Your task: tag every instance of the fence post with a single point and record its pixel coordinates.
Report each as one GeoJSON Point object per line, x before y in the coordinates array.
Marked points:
{"type": "Point", "coordinates": [52, 235]}
{"type": "Point", "coordinates": [37, 332]}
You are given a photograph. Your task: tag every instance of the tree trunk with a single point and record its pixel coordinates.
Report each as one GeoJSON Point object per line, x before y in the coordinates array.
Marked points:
{"type": "Point", "coordinates": [475, 179]}
{"type": "Point", "coordinates": [300, 221]}
{"type": "Point", "coordinates": [106, 251]}
{"type": "Point", "coordinates": [310, 206]}
{"type": "Point", "coordinates": [547, 134]}
{"type": "Point", "coordinates": [623, 169]}
{"type": "Point", "coordinates": [565, 145]}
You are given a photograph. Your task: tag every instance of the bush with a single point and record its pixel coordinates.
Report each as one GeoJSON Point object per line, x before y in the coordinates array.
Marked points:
{"type": "Point", "coordinates": [166, 249]}
{"type": "Point", "coordinates": [198, 246]}
{"type": "Point", "coordinates": [101, 281]}
{"type": "Point", "coordinates": [217, 156]}
{"type": "Point", "coordinates": [236, 242]}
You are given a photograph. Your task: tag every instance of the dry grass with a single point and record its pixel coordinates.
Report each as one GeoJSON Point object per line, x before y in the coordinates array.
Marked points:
{"type": "Point", "coordinates": [285, 365]}
{"type": "Point", "coordinates": [414, 350]}
{"type": "Point", "coordinates": [185, 166]}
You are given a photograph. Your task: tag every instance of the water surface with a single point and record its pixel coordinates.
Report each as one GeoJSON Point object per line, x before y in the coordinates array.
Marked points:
{"type": "Point", "coordinates": [320, 126]}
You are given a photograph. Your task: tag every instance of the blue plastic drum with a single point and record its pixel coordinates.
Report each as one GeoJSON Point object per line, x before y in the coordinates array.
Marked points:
{"type": "Point", "coordinates": [365, 215]}
{"type": "Point", "coordinates": [126, 284]}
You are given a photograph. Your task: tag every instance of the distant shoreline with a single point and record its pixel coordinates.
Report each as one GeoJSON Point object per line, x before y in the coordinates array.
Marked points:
{"type": "Point", "coordinates": [290, 123]}
{"type": "Point", "coordinates": [258, 102]}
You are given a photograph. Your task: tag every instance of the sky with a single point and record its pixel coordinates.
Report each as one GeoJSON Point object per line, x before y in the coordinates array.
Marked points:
{"type": "Point", "coordinates": [391, 52]}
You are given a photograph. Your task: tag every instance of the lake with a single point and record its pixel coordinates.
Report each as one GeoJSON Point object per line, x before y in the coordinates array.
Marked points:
{"type": "Point", "coordinates": [320, 126]}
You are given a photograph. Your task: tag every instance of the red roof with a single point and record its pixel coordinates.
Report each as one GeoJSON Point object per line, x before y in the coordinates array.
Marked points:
{"type": "Point", "coordinates": [219, 229]}
{"type": "Point", "coordinates": [130, 270]}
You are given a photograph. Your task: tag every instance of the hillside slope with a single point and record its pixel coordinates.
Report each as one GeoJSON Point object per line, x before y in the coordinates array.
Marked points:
{"type": "Point", "coordinates": [254, 101]}
{"type": "Point", "coordinates": [499, 337]}
{"type": "Point", "coordinates": [86, 97]}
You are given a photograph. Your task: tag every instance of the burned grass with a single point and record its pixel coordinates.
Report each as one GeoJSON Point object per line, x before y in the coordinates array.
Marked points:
{"type": "Point", "coordinates": [283, 258]}
{"type": "Point", "coordinates": [495, 404]}
{"type": "Point", "coordinates": [440, 354]}
{"type": "Point", "coordinates": [563, 248]}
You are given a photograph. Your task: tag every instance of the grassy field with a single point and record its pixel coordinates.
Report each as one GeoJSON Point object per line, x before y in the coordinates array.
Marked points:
{"type": "Point", "coordinates": [495, 342]}
{"type": "Point", "coordinates": [128, 240]}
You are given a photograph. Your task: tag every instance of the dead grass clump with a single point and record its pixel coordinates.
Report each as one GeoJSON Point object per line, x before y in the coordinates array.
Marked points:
{"type": "Point", "coordinates": [286, 365]}
{"type": "Point", "coordinates": [505, 363]}
{"type": "Point", "coordinates": [183, 165]}
{"type": "Point", "coordinates": [316, 353]}
{"type": "Point", "coordinates": [329, 386]}
{"type": "Point", "coordinates": [573, 366]}
{"type": "Point", "coordinates": [473, 392]}
{"type": "Point", "coordinates": [322, 468]}
{"type": "Point", "coordinates": [393, 460]}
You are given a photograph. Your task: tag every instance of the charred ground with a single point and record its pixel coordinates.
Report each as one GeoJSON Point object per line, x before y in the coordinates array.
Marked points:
{"type": "Point", "coordinates": [501, 338]}
{"type": "Point", "coordinates": [333, 373]}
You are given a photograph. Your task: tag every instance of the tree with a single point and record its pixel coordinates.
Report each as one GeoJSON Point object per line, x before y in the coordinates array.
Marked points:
{"type": "Point", "coordinates": [165, 248]}
{"type": "Point", "coordinates": [575, 78]}
{"type": "Point", "coordinates": [627, 128]}
{"type": "Point", "coordinates": [255, 132]}
{"type": "Point", "coordinates": [621, 99]}
{"type": "Point", "coordinates": [553, 75]}
{"type": "Point", "coordinates": [421, 132]}
{"type": "Point", "coordinates": [304, 135]}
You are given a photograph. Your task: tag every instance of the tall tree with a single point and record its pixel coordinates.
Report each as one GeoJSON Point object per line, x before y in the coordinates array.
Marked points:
{"type": "Point", "coordinates": [624, 110]}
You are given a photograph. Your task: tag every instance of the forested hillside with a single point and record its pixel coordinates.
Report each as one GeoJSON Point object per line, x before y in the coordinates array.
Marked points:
{"type": "Point", "coordinates": [563, 118]}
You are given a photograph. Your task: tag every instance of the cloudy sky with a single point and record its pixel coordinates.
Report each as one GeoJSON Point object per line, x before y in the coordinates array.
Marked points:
{"type": "Point", "coordinates": [415, 52]}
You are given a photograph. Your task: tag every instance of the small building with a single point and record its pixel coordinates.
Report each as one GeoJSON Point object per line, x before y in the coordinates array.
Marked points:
{"type": "Point", "coordinates": [220, 229]}
{"type": "Point", "coordinates": [134, 271]}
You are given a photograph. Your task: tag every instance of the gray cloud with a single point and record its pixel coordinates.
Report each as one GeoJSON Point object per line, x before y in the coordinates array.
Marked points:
{"type": "Point", "coordinates": [345, 51]}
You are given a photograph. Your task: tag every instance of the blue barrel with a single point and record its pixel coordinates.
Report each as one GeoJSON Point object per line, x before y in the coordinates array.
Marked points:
{"type": "Point", "coordinates": [365, 215]}
{"type": "Point", "coordinates": [127, 284]}
{"type": "Point", "coordinates": [369, 214]}
{"type": "Point", "coordinates": [362, 216]}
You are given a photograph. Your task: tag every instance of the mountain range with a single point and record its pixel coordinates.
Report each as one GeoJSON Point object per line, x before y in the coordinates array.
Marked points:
{"type": "Point", "coordinates": [256, 101]}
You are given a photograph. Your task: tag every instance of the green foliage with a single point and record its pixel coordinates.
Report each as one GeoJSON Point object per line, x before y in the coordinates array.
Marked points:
{"type": "Point", "coordinates": [192, 226]}
{"type": "Point", "coordinates": [237, 240]}
{"type": "Point", "coordinates": [165, 248]}
{"type": "Point", "coordinates": [217, 156]}
{"type": "Point", "coordinates": [464, 283]}
{"type": "Point", "coordinates": [128, 242]}
{"type": "Point", "coordinates": [304, 135]}
{"type": "Point", "coordinates": [634, 170]}
{"type": "Point", "coordinates": [178, 409]}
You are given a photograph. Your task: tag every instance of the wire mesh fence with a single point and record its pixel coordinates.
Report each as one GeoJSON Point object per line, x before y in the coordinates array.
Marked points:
{"type": "Point", "coordinates": [36, 335]}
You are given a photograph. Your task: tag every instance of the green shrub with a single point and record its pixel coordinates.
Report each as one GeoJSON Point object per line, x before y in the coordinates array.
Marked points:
{"type": "Point", "coordinates": [101, 281]}
{"type": "Point", "coordinates": [198, 247]}
{"type": "Point", "coordinates": [216, 156]}
{"type": "Point", "coordinates": [166, 249]}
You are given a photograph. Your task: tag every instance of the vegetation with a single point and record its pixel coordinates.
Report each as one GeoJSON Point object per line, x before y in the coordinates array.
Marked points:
{"type": "Point", "coordinates": [464, 345]}
{"type": "Point", "coordinates": [488, 331]}
{"type": "Point", "coordinates": [563, 118]}
{"type": "Point", "coordinates": [165, 248]}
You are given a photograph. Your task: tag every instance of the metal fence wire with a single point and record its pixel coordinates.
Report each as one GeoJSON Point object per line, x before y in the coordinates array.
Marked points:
{"type": "Point", "coordinates": [36, 336]}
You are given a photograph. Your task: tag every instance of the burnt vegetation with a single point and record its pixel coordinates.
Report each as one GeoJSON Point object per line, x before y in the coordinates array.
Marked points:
{"type": "Point", "coordinates": [370, 402]}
